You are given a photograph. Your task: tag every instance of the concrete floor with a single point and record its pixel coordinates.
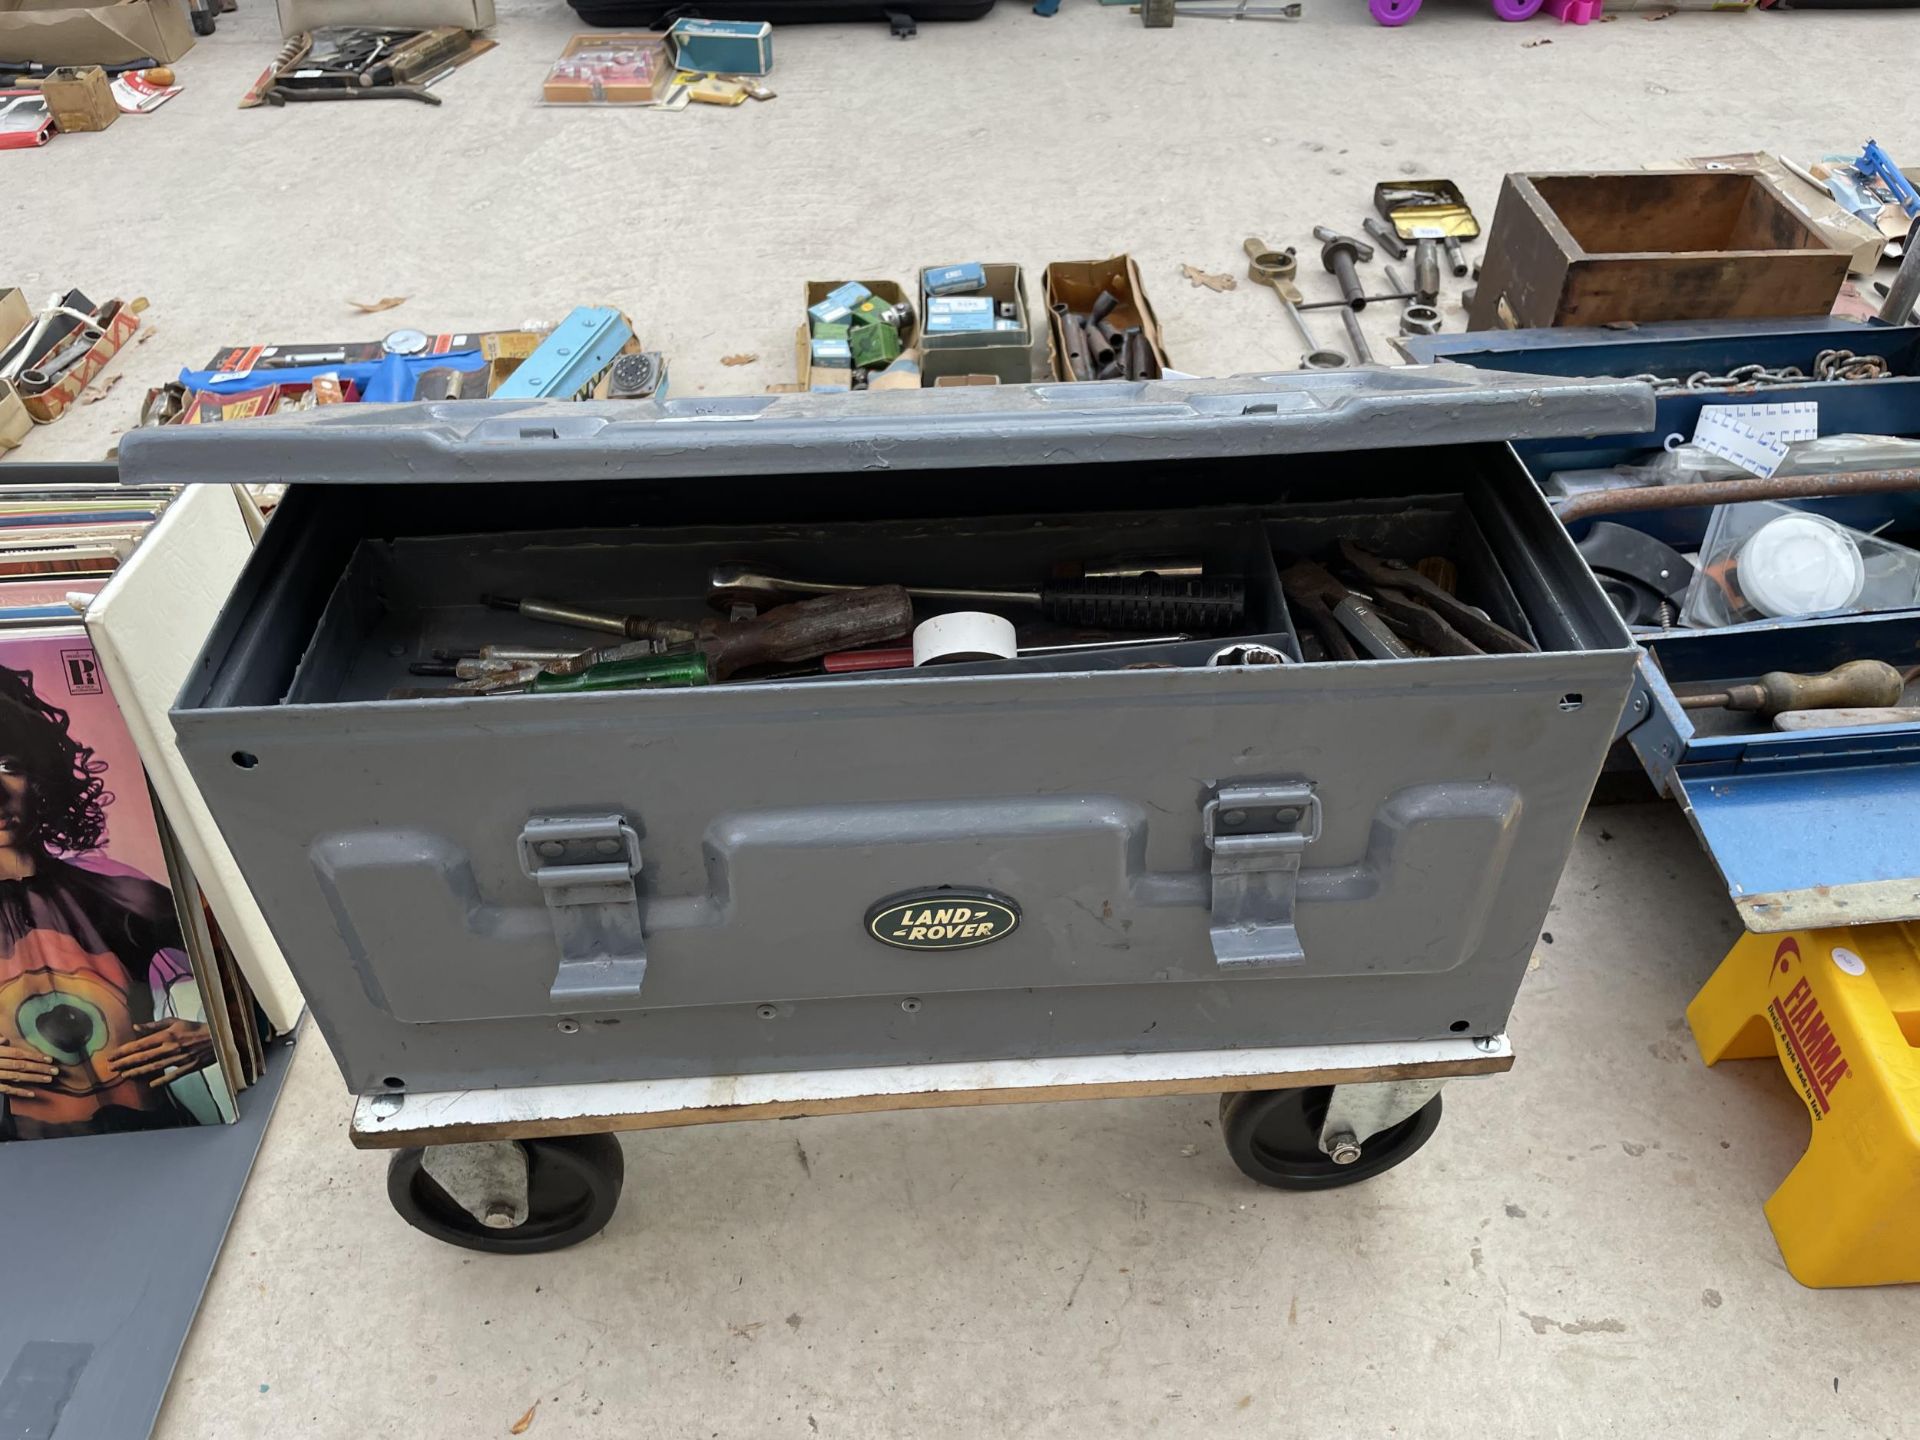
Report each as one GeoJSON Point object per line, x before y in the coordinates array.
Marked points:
{"type": "Point", "coordinates": [1579, 1251]}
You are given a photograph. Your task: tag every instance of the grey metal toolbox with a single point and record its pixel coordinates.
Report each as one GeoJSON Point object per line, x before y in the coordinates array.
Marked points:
{"type": "Point", "coordinates": [526, 894]}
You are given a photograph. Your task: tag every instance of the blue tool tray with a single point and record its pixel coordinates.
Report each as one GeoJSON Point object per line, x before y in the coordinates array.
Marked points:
{"type": "Point", "coordinates": [1811, 828]}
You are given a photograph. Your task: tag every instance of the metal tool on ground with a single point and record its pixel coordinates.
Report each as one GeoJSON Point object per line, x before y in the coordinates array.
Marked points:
{"type": "Point", "coordinates": [1429, 210]}
{"type": "Point", "coordinates": [1420, 320]}
{"type": "Point", "coordinates": [1203, 604]}
{"type": "Point", "coordinates": [571, 360]}
{"type": "Point", "coordinates": [425, 54]}
{"type": "Point", "coordinates": [1858, 683]}
{"type": "Point", "coordinates": [1384, 234]}
{"type": "Point", "coordinates": [284, 95]}
{"type": "Point", "coordinates": [838, 619]}
{"type": "Point", "coordinates": [1275, 269]}
{"type": "Point", "coordinates": [1356, 337]}
{"type": "Point", "coordinates": [1339, 255]}
{"type": "Point", "coordinates": [1241, 11]}
{"type": "Point", "coordinates": [1426, 271]}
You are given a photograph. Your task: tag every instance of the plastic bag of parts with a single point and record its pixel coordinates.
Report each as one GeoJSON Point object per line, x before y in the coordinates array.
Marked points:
{"type": "Point", "coordinates": [1767, 560]}
{"type": "Point", "coordinates": [1687, 464]}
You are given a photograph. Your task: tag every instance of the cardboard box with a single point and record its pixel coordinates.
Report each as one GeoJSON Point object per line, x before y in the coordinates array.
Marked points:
{"type": "Point", "coordinates": [116, 328]}
{"type": "Point", "coordinates": [819, 290]}
{"type": "Point", "coordinates": [1844, 230]}
{"type": "Point", "coordinates": [61, 32]}
{"type": "Point", "coordinates": [15, 316]}
{"type": "Point", "coordinates": [299, 16]}
{"type": "Point", "coordinates": [1078, 283]}
{"type": "Point", "coordinates": [1005, 354]}
{"type": "Point", "coordinates": [15, 422]}
{"type": "Point", "coordinates": [81, 99]}
{"type": "Point", "coordinates": [723, 47]}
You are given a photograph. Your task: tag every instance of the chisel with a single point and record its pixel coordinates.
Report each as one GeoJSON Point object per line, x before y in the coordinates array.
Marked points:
{"type": "Point", "coordinates": [1856, 684]}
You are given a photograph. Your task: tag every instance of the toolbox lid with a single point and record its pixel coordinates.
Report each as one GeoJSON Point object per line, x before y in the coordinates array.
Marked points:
{"type": "Point", "coordinates": [465, 442]}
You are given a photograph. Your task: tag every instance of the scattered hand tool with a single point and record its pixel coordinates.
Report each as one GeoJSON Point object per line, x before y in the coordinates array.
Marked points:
{"type": "Point", "coordinates": [281, 94]}
{"type": "Point", "coordinates": [1847, 719]}
{"type": "Point", "coordinates": [1240, 11]}
{"type": "Point", "coordinates": [1356, 337]}
{"type": "Point", "coordinates": [1144, 602]}
{"type": "Point", "coordinates": [1426, 271]}
{"type": "Point", "coordinates": [844, 618]}
{"type": "Point", "coordinates": [1856, 684]}
{"type": "Point", "coordinates": [1384, 233]}
{"type": "Point", "coordinates": [1338, 254]}
{"type": "Point", "coordinates": [1275, 269]}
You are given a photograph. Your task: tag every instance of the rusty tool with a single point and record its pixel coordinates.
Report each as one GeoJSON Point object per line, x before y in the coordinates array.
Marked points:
{"type": "Point", "coordinates": [1338, 256]}
{"type": "Point", "coordinates": [283, 94]}
{"type": "Point", "coordinates": [1854, 685]}
{"type": "Point", "coordinates": [1275, 269]}
{"type": "Point", "coordinates": [786, 634]}
{"type": "Point", "coordinates": [1474, 625]}
{"type": "Point", "coordinates": [1734, 492]}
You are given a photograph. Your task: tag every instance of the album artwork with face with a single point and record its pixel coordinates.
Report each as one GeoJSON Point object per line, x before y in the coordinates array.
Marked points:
{"type": "Point", "coordinates": [102, 1022]}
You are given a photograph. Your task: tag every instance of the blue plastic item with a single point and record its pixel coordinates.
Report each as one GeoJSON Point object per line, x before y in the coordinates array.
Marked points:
{"type": "Point", "coordinates": [1876, 162]}
{"type": "Point", "coordinates": [387, 381]}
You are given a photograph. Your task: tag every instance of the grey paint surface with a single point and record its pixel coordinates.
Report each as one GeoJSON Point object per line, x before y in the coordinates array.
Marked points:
{"type": "Point", "coordinates": [383, 838]}
{"type": "Point", "coordinates": [111, 1239]}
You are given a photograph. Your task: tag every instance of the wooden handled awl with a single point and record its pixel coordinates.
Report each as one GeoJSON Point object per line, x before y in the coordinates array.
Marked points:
{"type": "Point", "coordinates": [1856, 684]}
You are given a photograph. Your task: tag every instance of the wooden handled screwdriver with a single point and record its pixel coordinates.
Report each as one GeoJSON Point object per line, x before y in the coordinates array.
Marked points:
{"type": "Point", "coordinates": [1858, 683]}
{"type": "Point", "coordinates": [784, 635]}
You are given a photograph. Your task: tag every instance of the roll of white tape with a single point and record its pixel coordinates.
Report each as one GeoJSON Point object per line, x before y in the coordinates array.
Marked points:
{"type": "Point", "coordinates": [963, 635]}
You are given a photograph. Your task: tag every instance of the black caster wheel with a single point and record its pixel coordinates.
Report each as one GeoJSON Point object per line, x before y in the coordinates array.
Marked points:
{"type": "Point", "coordinates": [204, 22]}
{"type": "Point", "coordinates": [1274, 1137]}
{"type": "Point", "coordinates": [573, 1185]}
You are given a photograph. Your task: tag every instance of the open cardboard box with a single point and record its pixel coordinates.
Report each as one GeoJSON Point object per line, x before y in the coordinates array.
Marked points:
{"type": "Point", "coordinates": [63, 32]}
{"type": "Point", "coordinates": [1006, 354]}
{"type": "Point", "coordinates": [116, 328]}
{"type": "Point", "coordinates": [818, 290]}
{"type": "Point", "coordinates": [1078, 283]}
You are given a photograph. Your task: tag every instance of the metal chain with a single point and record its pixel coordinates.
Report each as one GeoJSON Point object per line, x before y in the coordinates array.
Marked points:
{"type": "Point", "coordinates": [1827, 365]}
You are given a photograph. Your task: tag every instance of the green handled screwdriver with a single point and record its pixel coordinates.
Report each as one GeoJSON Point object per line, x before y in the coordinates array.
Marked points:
{"type": "Point", "coordinates": [646, 672]}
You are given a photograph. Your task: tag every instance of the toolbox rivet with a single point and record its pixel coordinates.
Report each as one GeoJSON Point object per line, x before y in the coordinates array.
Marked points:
{"type": "Point", "coordinates": [1286, 816]}
{"type": "Point", "coordinates": [911, 1004]}
{"type": "Point", "coordinates": [1487, 1044]}
{"type": "Point", "coordinates": [1233, 817]}
{"type": "Point", "coordinates": [766, 1012]}
{"type": "Point", "coordinates": [607, 847]}
{"type": "Point", "coordinates": [569, 1027]}
{"type": "Point", "coordinates": [551, 849]}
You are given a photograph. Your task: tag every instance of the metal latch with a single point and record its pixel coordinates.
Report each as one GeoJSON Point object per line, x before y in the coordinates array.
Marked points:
{"type": "Point", "coordinates": [584, 866]}
{"type": "Point", "coordinates": [1257, 834]}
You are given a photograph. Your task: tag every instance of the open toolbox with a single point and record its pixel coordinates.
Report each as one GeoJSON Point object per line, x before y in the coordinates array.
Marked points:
{"type": "Point", "coordinates": [1809, 825]}
{"type": "Point", "coordinates": [1171, 829]}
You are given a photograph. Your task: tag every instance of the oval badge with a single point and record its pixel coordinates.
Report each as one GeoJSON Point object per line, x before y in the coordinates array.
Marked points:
{"type": "Point", "coordinates": [942, 919]}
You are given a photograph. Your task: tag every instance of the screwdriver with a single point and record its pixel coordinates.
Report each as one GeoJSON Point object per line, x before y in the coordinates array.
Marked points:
{"type": "Point", "coordinates": [1138, 602]}
{"type": "Point", "coordinates": [647, 672]}
{"type": "Point", "coordinates": [784, 635]}
{"type": "Point", "coordinates": [1856, 684]}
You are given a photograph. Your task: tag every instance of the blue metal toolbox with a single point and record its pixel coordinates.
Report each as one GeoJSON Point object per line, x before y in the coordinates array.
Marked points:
{"type": "Point", "coordinates": [1807, 828]}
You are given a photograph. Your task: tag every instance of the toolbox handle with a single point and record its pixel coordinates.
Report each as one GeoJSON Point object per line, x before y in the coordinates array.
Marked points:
{"type": "Point", "coordinates": [584, 866]}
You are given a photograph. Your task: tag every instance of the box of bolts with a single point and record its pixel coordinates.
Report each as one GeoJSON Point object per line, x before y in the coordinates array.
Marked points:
{"type": "Point", "coordinates": [859, 335]}
{"type": "Point", "coordinates": [603, 69]}
{"type": "Point", "coordinates": [976, 322]}
{"type": "Point", "coordinates": [48, 363]}
{"type": "Point", "coordinates": [1100, 324]}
